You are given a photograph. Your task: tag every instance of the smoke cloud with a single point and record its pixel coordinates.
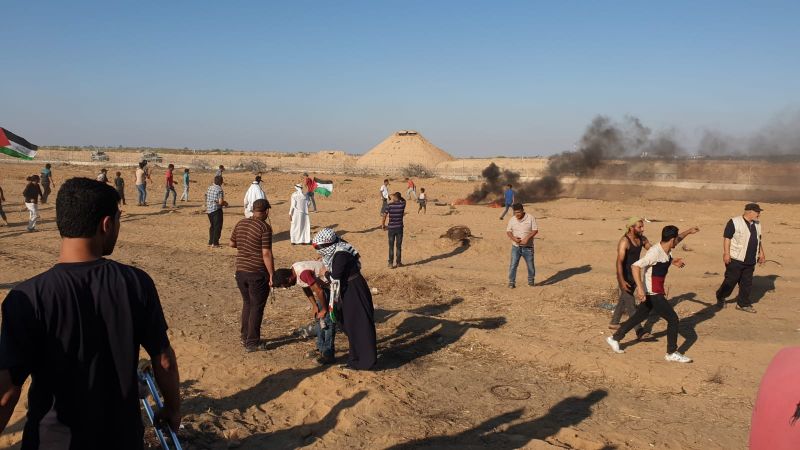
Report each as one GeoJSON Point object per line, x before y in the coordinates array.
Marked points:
{"type": "Point", "coordinates": [779, 139]}
{"type": "Point", "coordinates": [602, 140]}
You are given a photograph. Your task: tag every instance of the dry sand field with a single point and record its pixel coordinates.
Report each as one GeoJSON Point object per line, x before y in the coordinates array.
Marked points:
{"type": "Point", "coordinates": [464, 362]}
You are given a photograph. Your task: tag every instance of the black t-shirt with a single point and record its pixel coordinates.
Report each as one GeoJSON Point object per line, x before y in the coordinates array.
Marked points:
{"type": "Point", "coordinates": [76, 330]}
{"type": "Point", "coordinates": [752, 244]}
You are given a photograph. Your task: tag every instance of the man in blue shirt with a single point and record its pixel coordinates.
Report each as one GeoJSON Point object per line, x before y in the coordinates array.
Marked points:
{"type": "Point", "coordinates": [47, 182]}
{"type": "Point", "coordinates": [508, 200]}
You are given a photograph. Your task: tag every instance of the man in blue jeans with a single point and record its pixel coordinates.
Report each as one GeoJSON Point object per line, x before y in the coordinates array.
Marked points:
{"type": "Point", "coordinates": [521, 229]}
{"type": "Point", "coordinates": [310, 275]}
{"type": "Point", "coordinates": [508, 200]}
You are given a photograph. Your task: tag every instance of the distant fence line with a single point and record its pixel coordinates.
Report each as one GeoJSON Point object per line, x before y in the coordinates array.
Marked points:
{"type": "Point", "coordinates": [742, 173]}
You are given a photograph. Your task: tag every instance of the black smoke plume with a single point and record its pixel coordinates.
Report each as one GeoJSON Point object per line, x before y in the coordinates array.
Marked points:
{"type": "Point", "coordinates": [602, 140]}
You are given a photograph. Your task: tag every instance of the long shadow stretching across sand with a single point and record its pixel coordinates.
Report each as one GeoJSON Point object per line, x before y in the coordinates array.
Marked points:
{"type": "Point", "coordinates": [562, 275]}
{"type": "Point", "coordinates": [456, 251]}
{"type": "Point", "coordinates": [423, 334]}
{"type": "Point", "coordinates": [568, 412]}
{"type": "Point", "coordinates": [289, 438]}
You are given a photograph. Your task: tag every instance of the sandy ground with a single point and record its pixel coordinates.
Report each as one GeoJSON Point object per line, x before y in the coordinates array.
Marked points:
{"type": "Point", "coordinates": [463, 360]}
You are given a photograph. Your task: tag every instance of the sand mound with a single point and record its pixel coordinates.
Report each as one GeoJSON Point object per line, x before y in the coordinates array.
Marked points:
{"type": "Point", "coordinates": [402, 149]}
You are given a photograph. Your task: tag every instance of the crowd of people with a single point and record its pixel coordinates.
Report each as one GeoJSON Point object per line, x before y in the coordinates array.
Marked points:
{"type": "Point", "coordinates": [76, 328]}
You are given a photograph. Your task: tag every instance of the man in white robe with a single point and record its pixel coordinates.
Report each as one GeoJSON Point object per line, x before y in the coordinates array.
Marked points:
{"type": "Point", "coordinates": [254, 193]}
{"type": "Point", "coordinates": [300, 230]}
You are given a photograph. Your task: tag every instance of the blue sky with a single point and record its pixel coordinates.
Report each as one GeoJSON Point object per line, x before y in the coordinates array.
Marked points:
{"type": "Point", "coordinates": [476, 78]}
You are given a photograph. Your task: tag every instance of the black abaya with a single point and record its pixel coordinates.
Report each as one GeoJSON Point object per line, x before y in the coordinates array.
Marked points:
{"type": "Point", "coordinates": [358, 311]}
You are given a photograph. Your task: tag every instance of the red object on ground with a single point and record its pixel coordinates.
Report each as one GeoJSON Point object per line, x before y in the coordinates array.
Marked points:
{"type": "Point", "coordinates": [495, 204]}
{"type": "Point", "coordinates": [463, 201]}
{"type": "Point", "coordinates": [776, 414]}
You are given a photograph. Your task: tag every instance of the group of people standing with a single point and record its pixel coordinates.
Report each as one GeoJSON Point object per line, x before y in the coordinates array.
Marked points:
{"type": "Point", "coordinates": [642, 278]}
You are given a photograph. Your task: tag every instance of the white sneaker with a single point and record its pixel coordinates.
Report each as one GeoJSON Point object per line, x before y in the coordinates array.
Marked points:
{"type": "Point", "coordinates": [677, 357]}
{"type": "Point", "coordinates": [614, 345]}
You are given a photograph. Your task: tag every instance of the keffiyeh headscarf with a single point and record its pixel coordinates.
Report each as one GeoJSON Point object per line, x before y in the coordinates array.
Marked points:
{"type": "Point", "coordinates": [327, 244]}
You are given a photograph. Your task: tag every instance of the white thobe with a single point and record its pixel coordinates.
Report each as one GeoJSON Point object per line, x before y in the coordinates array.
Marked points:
{"type": "Point", "coordinates": [254, 193]}
{"type": "Point", "coordinates": [300, 231]}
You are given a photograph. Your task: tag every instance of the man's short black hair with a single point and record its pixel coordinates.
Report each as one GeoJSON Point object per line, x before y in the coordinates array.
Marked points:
{"type": "Point", "coordinates": [218, 180]}
{"type": "Point", "coordinates": [81, 205]}
{"type": "Point", "coordinates": [281, 278]}
{"type": "Point", "coordinates": [669, 232]}
{"type": "Point", "coordinates": [517, 207]}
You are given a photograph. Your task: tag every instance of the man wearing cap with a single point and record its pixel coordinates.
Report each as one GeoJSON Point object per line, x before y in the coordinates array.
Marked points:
{"type": "Point", "coordinates": [629, 250]}
{"type": "Point", "coordinates": [253, 193]}
{"type": "Point", "coordinates": [521, 229]}
{"type": "Point", "coordinates": [252, 238]}
{"type": "Point", "coordinates": [741, 249]}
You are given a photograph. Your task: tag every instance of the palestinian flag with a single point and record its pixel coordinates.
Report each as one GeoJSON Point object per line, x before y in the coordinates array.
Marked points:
{"type": "Point", "coordinates": [13, 145]}
{"type": "Point", "coordinates": [323, 187]}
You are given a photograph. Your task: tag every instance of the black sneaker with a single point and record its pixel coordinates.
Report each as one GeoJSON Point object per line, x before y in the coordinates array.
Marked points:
{"type": "Point", "coordinates": [325, 360]}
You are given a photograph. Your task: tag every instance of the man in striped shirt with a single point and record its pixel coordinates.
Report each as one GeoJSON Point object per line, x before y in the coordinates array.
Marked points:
{"type": "Point", "coordinates": [252, 238]}
{"type": "Point", "coordinates": [394, 212]}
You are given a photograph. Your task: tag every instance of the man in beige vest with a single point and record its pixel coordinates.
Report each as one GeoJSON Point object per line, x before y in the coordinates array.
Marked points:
{"type": "Point", "coordinates": [742, 248]}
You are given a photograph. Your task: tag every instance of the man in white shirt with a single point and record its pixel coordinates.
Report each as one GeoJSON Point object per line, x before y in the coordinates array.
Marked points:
{"type": "Point", "coordinates": [521, 229]}
{"type": "Point", "coordinates": [384, 196]}
{"type": "Point", "coordinates": [254, 193]}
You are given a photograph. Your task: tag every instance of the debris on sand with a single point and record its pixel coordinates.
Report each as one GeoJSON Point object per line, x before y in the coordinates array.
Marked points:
{"type": "Point", "coordinates": [459, 233]}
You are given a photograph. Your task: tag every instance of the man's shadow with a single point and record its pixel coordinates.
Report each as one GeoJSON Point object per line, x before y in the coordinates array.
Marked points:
{"type": "Point", "coordinates": [464, 246]}
{"type": "Point", "coordinates": [686, 325]}
{"type": "Point", "coordinates": [761, 285]}
{"type": "Point", "coordinates": [270, 387]}
{"type": "Point", "coordinates": [290, 438]}
{"type": "Point", "coordinates": [562, 275]}
{"type": "Point", "coordinates": [568, 412]}
{"type": "Point", "coordinates": [423, 333]}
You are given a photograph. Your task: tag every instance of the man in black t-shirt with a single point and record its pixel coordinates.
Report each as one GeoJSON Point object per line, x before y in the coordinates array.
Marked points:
{"type": "Point", "coordinates": [76, 330]}
{"type": "Point", "coordinates": [741, 250]}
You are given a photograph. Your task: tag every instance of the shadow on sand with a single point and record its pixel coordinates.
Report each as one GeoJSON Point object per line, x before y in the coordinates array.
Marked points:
{"type": "Point", "coordinates": [562, 275]}
{"type": "Point", "coordinates": [423, 333]}
{"type": "Point", "coordinates": [501, 432]}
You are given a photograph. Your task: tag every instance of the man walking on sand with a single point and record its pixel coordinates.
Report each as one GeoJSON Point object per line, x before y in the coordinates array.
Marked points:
{"type": "Point", "coordinates": [384, 196]}
{"type": "Point", "coordinates": [508, 200]}
{"type": "Point", "coordinates": [394, 212]}
{"type": "Point", "coordinates": [521, 229]}
{"type": "Point", "coordinates": [629, 250]}
{"type": "Point", "coordinates": [76, 330]}
{"type": "Point", "coordinates": [650, 272]}
{"type": "Point", "coordinates": [47, 182]}
{"type": "Point", "coordinates": [411, 191]}
{"type": "Point", "coordinates": [169, 179]}
{"type": "Point", "coordinates": [299, 220]}
{"type": "Point", "coordinates": [741, 249]}
{"type": "Point", "coordinates": [215, 201]}
{"type": "Point", "coordinates": [255, 267]}
{"type": "Point", "coordinates": [253, 193]}
{"type": "Point", "coordinates": [310, 185]}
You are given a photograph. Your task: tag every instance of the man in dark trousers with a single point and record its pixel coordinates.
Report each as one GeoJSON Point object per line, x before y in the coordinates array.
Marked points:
{"type": "Point", "coordinates": [76, 330]}
{"type": "Point", "coordinates": [741, 249]}
{"type": "Point", "coordinates": [255, 266]}
{"type": "Point", "coordinates": [394, 212]}
{"type": "Point", "coordinates": [215, 201]}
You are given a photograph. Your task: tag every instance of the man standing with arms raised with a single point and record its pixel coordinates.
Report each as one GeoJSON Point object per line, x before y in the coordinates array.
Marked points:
{"type": "Point", "coordinates": [76, 330]}
{"type": "Point", "coordinates": [255, 266]}
{"type": "Point", "coordinates": [741, 249]}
